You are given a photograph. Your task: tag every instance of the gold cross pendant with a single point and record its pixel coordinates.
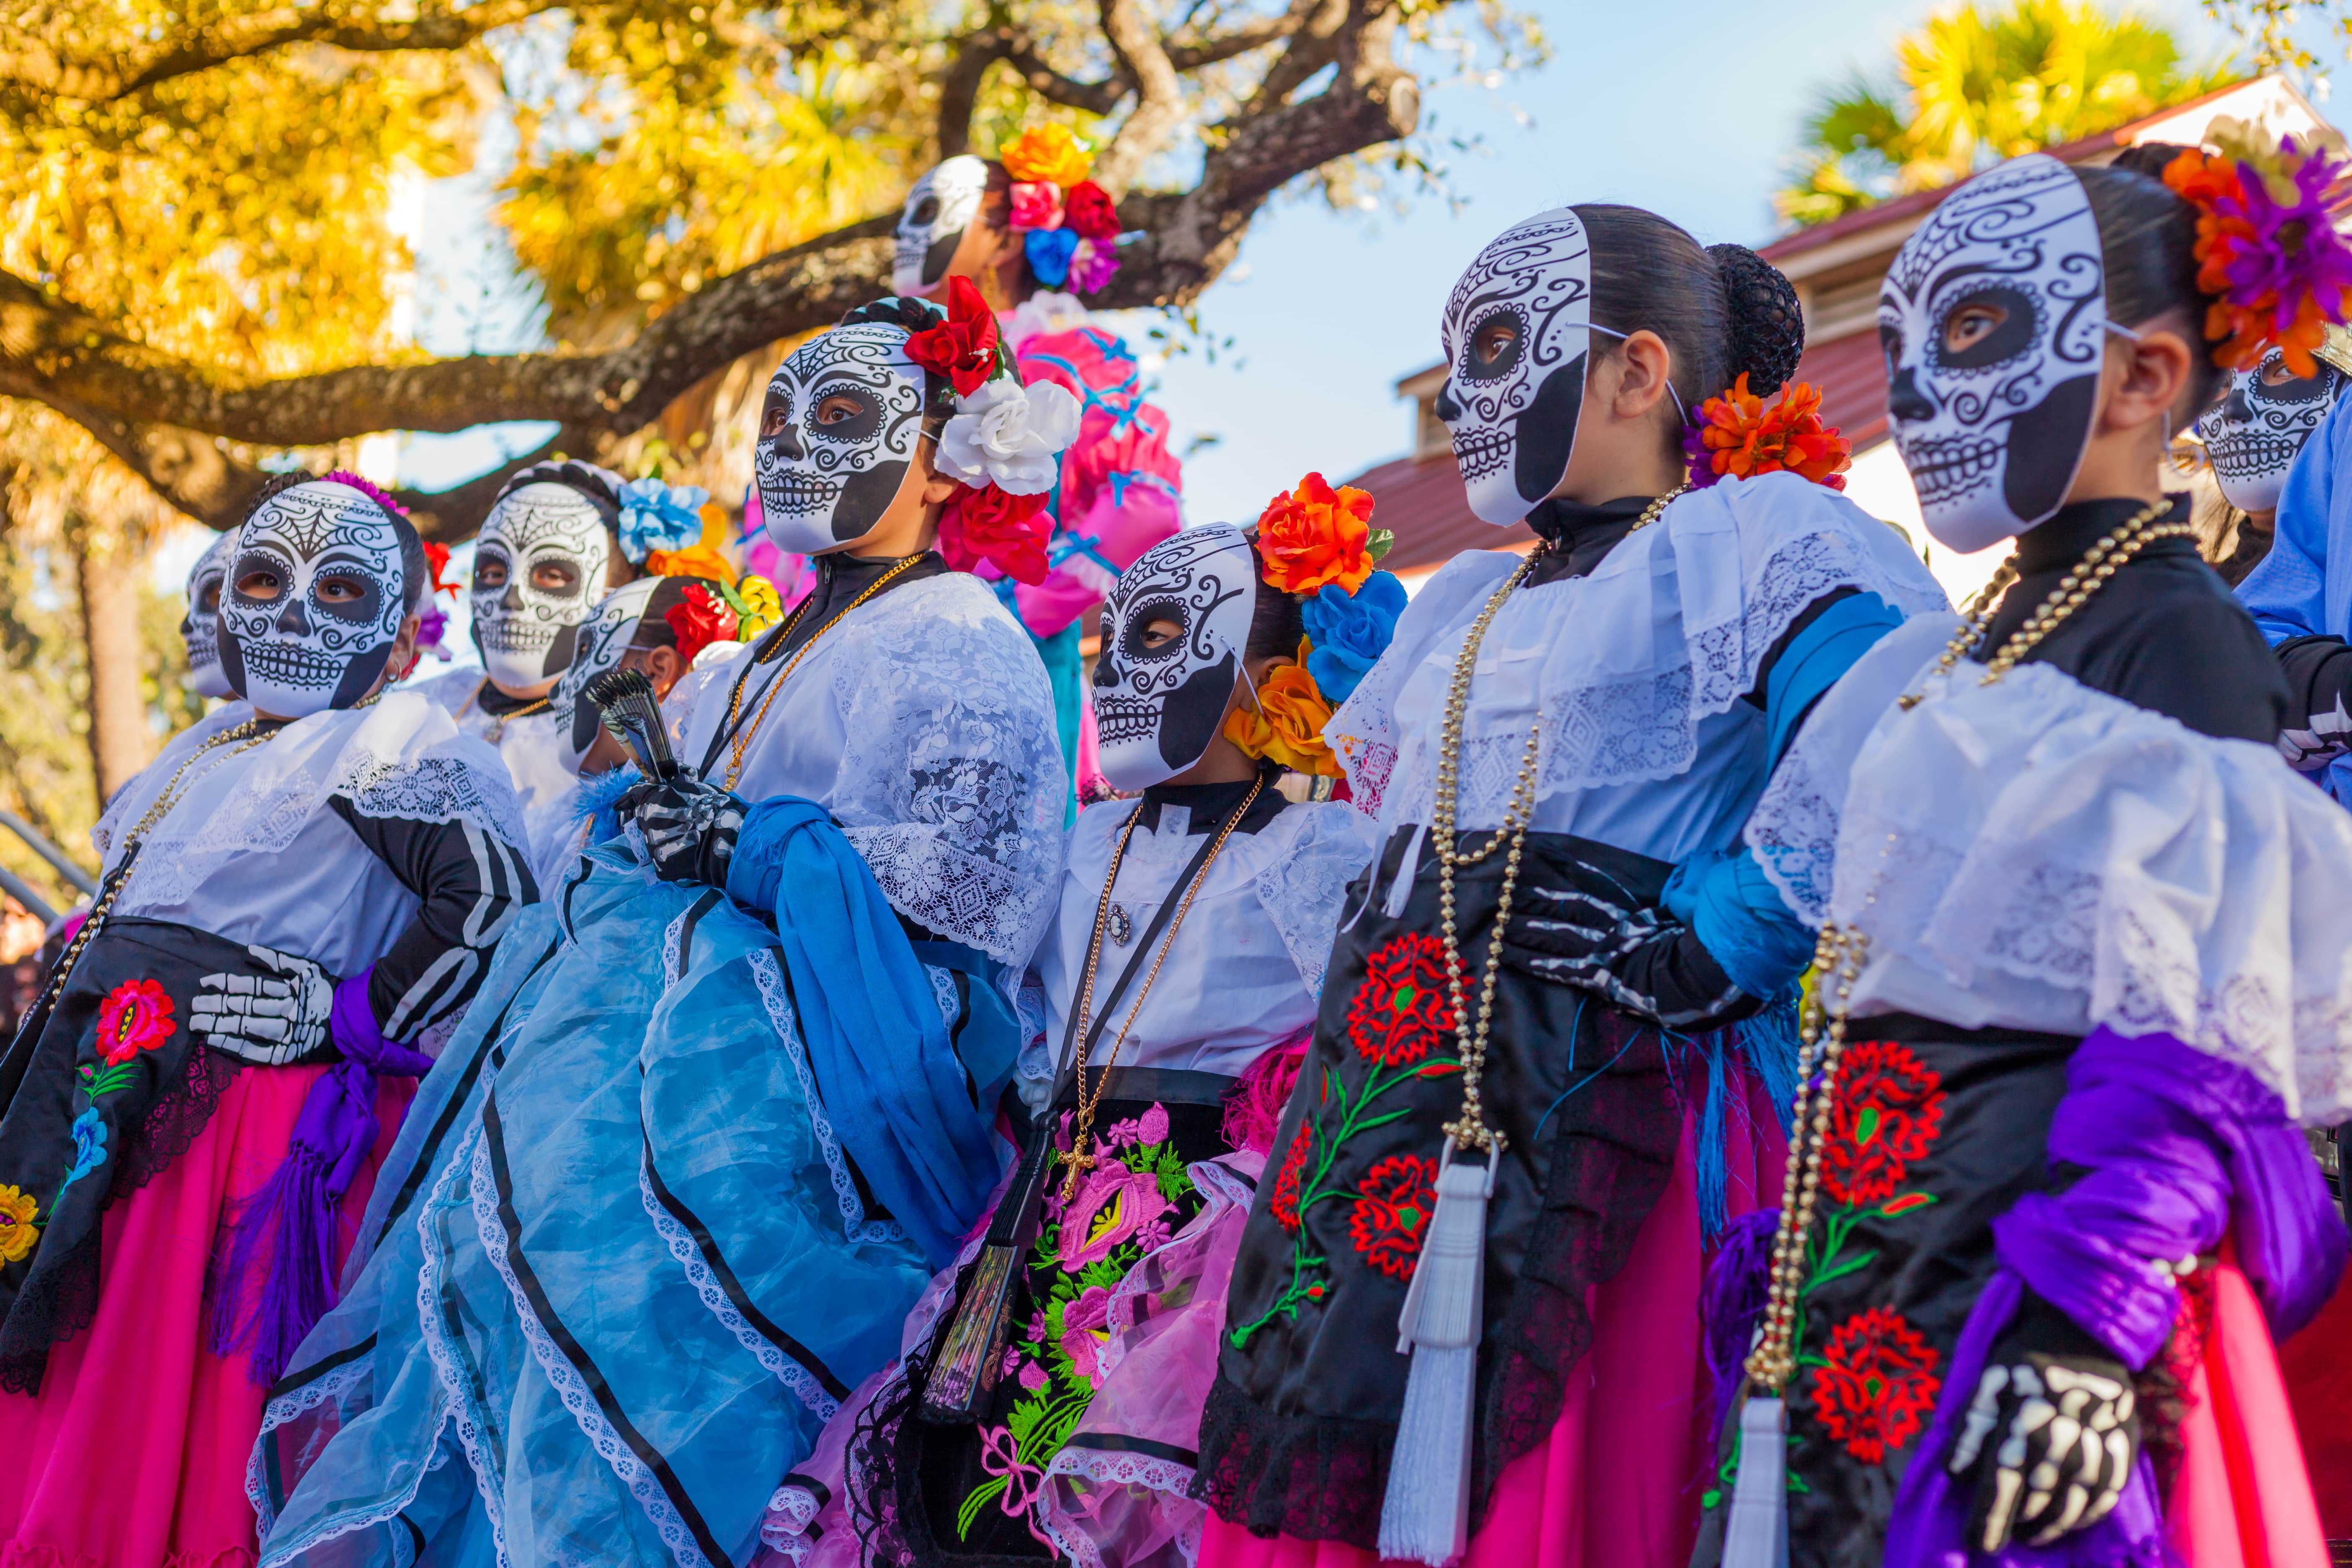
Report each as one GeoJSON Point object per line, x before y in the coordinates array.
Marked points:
{"type": "Point", "coordinates": [1081, 1162]}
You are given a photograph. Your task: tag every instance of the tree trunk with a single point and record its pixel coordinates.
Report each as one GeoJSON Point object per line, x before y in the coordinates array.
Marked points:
{"type": "Point", "coordinates": [120, 741]}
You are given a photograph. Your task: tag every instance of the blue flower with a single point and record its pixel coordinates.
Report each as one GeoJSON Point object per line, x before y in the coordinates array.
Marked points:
{"type": "Point", "coordinates": [1350, 631]}
{"type": "Point", "coordinates": [655, 516]}
{"type": "Point", "coordinates": [1050, 250]}
{"type": "Point", "coordinates": [90, 1149]}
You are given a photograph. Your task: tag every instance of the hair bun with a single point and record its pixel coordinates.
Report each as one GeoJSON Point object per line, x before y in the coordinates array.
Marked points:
{"type": "Point", "coordinates": [2149, 158]}
{"type": "Point", "coordinates": [600, 485]}
{"type": "Point", "coordinates": [1768, 323]}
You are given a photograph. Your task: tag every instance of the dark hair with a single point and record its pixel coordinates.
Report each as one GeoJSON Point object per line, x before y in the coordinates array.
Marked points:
{"type": "Point", "coordinates": [912, 316]}
{"type": "Point", "coordinates": [1722, 312]}
{"type": "Point", "coordinates": [1277, 624]}
{"type": "Point", "coordinates": [2147, 245]}
{"type": "Point", "coordinates": [597, 488]}
{"type": "Point", "coordinates": [416, 571]}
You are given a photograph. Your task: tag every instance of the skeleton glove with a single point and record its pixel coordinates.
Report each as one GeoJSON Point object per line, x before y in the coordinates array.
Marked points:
{"type": "Point", "coordinates": [2051, 1437]}
{"type": "Point", "coordinates": [1579, 935]}
{"type": "Point", "coordinates": [269, 1020]}
{"type": "Point", "coordinates": [689, 827]}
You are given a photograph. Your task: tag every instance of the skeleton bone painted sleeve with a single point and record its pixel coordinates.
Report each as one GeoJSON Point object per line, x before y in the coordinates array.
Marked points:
{"type": "Point", "coordinates": [471, 884]}
{"type": "Point", "coordinates": [2318, 673]}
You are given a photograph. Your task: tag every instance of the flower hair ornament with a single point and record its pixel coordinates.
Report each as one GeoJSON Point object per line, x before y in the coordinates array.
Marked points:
{"type": "Point", "coordinates": [432, 623]}
{"type": "Point", "coordinates": [1068, 225]}
{"type": "Point", "coordinates": [1317, 544]}
{"type": "Point", "coordinates": [719, 611]}
{"type": "Point", "coordinates": [1738, 436]}
{"type": "Point", "coordinates": [2267, 250]}
{"type": "Point", "coordinates": [658, 519]}
{"type": "Point", "coordinates": [1001, 446]}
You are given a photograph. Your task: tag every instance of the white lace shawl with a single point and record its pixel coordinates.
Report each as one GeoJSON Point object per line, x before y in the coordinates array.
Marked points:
{"type": "Point", "coordinates": [2037, 855]}
{"type": "Point", "coordinates": [1624, 664]}
{"type": "Point", "coordinates": [924, 722]}
{"type": "Point", "coordinates": [401, 757]}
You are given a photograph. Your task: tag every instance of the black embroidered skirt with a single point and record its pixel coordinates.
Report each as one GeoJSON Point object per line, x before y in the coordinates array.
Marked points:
{"type": "Point", "coordinates": [1303, 1417]}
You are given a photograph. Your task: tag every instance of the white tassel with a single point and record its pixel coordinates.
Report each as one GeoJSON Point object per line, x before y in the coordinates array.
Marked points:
{"type": "Point", "coordinates": [1425, 1516]}
{"type": "Point", "coordinates": [1756, 1529]}
{"type": "Point", "coordinates": [1400, 885]}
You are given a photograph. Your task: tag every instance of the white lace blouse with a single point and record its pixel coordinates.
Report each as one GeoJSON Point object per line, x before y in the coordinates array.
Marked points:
{"type": "Point", "coordinates": [924, 722]}
{"type": "Point", "coordinates": [1246, 968]}
{"type": "Point", "coordinates": [1636, 669]}
{"type": "Point", "coordinates": [531, 746]}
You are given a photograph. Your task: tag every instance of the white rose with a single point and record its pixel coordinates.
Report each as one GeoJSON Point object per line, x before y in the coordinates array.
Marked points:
{"type": "Point", "coordinates": [1009, 434]}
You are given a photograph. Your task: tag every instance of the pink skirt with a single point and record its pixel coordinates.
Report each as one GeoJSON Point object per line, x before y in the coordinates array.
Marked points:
{"type": "Point", "coordinates": [1617, 1484]}
{"type": "Point", "coordinates": [133, 1453]}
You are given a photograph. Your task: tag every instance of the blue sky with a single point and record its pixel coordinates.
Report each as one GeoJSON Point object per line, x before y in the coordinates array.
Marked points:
{"type": "Point", "coordinates": [1690, 108]}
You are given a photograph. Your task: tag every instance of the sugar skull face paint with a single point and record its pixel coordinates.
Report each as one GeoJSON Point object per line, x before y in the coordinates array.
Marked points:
{"type": "Point", "coordinates": [200, 628]}
{"type": "Point", "coordinates": [1993, 319]}
{"type": "Point", "coordinates": [837, 437]}
{"type": "Point", "coordinates": [938, 209]}
{"type": "Point", "coordinates": [2254, 432]}
{"type": "Point", "coordinates": [1516, 331]}
{"type": "Point", "coordinates": [603, 639]}
{"type": "Point", "coordinates": [1157, 704]}
{"type": "Point", "coordinates": [314, 601]}
{"type": "Point", "coordinates": [539, 564]}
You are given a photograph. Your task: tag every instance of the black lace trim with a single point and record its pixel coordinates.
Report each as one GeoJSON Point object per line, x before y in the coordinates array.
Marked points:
{"type": "Point", "coordinates": [173, 1122]}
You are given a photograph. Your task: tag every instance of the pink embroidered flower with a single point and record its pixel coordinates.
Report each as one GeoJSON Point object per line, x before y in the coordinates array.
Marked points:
{"type": "Point", "coordinates": [1086, 1330]}
{"type": "Point", "coordinates": [1037, 1334]}
{"type": "Point", "coordinates": [1037, 204]}
{"type": "Point", "coordinates": [1122, 1134]}
{"type": "Point", "coordinates": [1011, 1361]}
{"type": "Point", "coordinates": [1032, 1377]}
{"type": "Point", "coordinates": [1151, 1127]}
{"type": "Point", "coordinates": [135, 1016]}
{"type": "Point", "coordinates": [1113, 1204]}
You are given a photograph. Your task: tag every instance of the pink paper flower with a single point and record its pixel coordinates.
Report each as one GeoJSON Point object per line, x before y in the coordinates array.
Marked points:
{"type": "Point", "coordinates": [1114, 1204]}
{"type": "Point", "coordinates": [1037, 204]}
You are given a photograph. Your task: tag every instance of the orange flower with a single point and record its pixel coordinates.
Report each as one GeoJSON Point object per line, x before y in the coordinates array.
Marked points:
{"type": "Point", "coordinates": [1317, 535]}
{"type": "Point", "coordinates": [694, 561]}
{"type": "Point", "coordinates": [2267, 250]}
{"type": "Point", "coordinates": [1287, 724]}
{"type": "Point", "coordinates": [1048, 152]}
{"type": "Point", "coordinates": [1737, 438]}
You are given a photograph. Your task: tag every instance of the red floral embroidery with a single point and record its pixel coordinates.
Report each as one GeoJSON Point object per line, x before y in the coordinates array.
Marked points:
{"type": "Point", "coordinates": [1394, 1212]}
{"type": "Point", "coordinates": [1287, 1180]}
{"type": "Point", "coordinates": [1400, 1009]}
{"type": "Point", "coordinates": [1888, 1108]}
{"type": "Point", "coordinates": [135, 1016]}
{"type": "Point", "coordinates": [1879, 1385]}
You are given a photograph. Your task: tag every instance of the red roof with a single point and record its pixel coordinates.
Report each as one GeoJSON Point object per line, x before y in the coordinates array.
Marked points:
{"type": "Point", "coordinates": [1852, 374]}
{"type": "Point", "coordinates": [1422, 502]}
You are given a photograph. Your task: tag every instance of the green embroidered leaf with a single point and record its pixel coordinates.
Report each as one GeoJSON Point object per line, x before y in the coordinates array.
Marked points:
{"type": "Point", "coordinates": [1107, 1272]}
{"type": "Point", "coordinates": [981, 1496]}
{"type": "Point", "coordinates": [1839, 1268]}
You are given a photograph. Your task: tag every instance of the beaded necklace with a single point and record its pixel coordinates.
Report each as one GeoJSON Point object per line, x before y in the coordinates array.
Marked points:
{"type": "Point", "coordinates": [743, 737]}
{"type": "Point", "coordinates": [1838, 957]}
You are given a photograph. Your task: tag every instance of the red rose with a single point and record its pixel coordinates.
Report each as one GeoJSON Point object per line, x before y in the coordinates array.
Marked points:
{"type": "Point", "coordinates": [1887, 1110]}
{"type": "Point", "coordinates": [1400, 1008]}
{"type": "Point", "coordinates": [704, 619]}
{"type": "Point", "coordinates": [1087, 208]}
{"type": "Point", "coordinates": [963, 347]}
{"type": "Point", "coordinates": [992, 524]}
{"type": "Point", "coordinates": [1399, 1194]}
{"type": "Point", "coordinates": [1878, 1385]}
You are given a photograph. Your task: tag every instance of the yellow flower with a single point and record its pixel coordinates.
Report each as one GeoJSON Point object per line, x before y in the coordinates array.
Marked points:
{"type": "Point", "coordinates": [762, 607]}
{"type": "Point", "coordinates": [1287, 726]}
{"type": "Point", "coordinates": [1048, 152]}
{"type": "Point", "coordinates": [17, 1231]}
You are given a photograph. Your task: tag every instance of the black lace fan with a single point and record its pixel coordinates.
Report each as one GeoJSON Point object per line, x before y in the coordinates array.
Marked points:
{"type": "Point", "coordinates": [626, 698]}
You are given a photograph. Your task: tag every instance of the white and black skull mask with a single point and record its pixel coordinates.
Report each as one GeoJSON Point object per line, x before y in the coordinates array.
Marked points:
{"type": "Point", "coordinates": [603, 639]}
{"type": "Point", "coordinates": [523, 627]}
{"type": "Point", "coordinates": [931, 226]}
{"type": "Point", "coordinates": [1994, 431]}
{"type": "Point", "coordinates": [1157, 710]}
{"type": "Point", "coordinates": [200, 628]}
{"type": "Point", "coordinates": [299, 651]}
{"type": "Point", "coordinates": [2254, 432]}
{"type": "Point", "coordinates": [846, 410]}
{"type": "Point", "coordinates": [1512, 404]}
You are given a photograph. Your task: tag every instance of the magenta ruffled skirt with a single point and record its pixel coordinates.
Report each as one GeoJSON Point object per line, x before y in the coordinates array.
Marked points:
{"type": "Point", "coordinates": [1617, 1483]}
{"type": "Point", "coordinates": [133, 1454]}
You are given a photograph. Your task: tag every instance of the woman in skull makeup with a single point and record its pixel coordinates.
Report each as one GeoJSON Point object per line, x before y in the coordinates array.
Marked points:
{"type": "Point", "coordinates": [547, 551]}
{"type": "Point", "coordinates": [1119, 489]}
{"type": "Point", "coordinates": [197, 627]}
{"type": "Point", "coordinates": [2300, 593]}
{"type": "Point", "coordinates": [1049, 1398]}
{"type": "Point", "coordinates": [2252, 439]}
{"type": "Point", "coordinates": [2085, 951]}
{"type": "Point", "coordinates": [297, 885]}
{"type": "Point", "coordinates": [726, 1107]}
{"type": "Point", "coordinates": [1531, 987]}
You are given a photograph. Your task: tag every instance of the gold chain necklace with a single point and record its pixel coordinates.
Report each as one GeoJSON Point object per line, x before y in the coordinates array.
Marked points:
{"type": "Point", "coordinates": [1838, 957]}
{"type": "Point", "coordinates": [499, 720]}
{"type": "Point", "coordinates": [742, 741]}
{"type": "Point", "coordinates": [1470, 1132]}
{"type": "Point", "coordinates": [1081, 1158]}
